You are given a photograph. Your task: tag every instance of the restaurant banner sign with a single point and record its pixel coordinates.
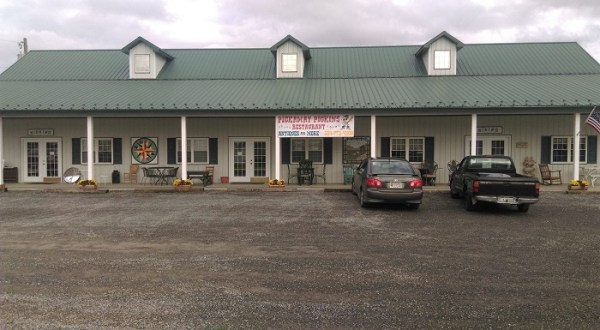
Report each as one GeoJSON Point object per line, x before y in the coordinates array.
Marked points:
{"type": "Point", "coordinates": [315, 126]}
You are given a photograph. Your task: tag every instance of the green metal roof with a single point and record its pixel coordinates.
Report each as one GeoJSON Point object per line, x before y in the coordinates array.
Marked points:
{"type": "Point", "coordinates": [317, 94]}
{"type": "Point", "coordinates": [533, 75]}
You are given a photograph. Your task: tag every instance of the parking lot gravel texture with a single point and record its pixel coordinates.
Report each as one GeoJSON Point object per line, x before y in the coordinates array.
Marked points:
{"type": "Point", "coordinates": [294, 260]}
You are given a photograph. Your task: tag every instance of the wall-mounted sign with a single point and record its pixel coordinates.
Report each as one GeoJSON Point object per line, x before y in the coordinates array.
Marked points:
{"type": "Point", "coordinates": [521, 144]}
{"type": "Point", "coordinates": [315, 126]}
{"type": "Point", "coordinates": [489, 130]}
{"type": "Point", "coordinates": [40, 132]}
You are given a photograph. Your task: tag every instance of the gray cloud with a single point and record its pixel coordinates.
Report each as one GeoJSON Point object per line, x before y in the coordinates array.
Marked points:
{"type": "Point", "coordinates": [76, 24]}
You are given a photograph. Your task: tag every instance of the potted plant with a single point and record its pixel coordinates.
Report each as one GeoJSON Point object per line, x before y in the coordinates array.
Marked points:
{"type": "Point", "coordinates": [274, 183]}
{"type": "Point", "coordinates": [87, 185]}
{"type": "Point", "coordinates": [182, 184]}
{"type": "Point", "coordinates": [578, 185]}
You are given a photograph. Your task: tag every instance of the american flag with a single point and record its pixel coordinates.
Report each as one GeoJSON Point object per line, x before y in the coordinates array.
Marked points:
{"type": "Point", "coordinates": [594, 119]}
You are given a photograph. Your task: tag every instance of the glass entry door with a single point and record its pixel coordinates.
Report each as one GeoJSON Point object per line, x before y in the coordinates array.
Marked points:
{"type": "Point", "coordinates": [490, 145]}
{"type": "Point", "coordinates": [249, 157]}
{"type": "Point", "coordinates": [41, 159]}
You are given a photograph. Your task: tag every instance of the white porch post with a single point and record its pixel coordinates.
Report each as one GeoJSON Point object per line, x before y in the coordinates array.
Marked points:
{"type": "Point", "coordinates": [474, 134]}
{"type": "Point", "coordinates": [1, 153]}
{"type": "Point", "coordinates": [373, 136]}
{"type": "Point", "coordinates": [277, 152]}
{"type": "Point", "coordinates": [277, 157]}
{"type": "Point", "coordinates": [90, 147]}
{"type": "Point", "coordinates": [576, 149]}
{"type": "Point", "coordinates": [184, 159]}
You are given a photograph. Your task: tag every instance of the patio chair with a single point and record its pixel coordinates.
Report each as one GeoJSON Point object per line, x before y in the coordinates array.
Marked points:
{"type": "Point", "coordinates": [292, 173]}
{"type": "Point", "coordinates": [306, 172]}
{"type": "Point", "coordinates": [131, 176]}
{"type": "Point", "coordinates": [430, 176]}
{"type": "Point", "coordinates": [321, 174]}
{"type": "Point", "coordinates": [549, 177]}
{"type": "Point", "coordinates": [452, 165]}
{"type": "Point", "coordinates": [211, 174]}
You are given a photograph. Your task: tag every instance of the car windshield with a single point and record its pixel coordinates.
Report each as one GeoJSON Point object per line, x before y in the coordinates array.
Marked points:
{"type": "Point", "coordinates": [391, 167]}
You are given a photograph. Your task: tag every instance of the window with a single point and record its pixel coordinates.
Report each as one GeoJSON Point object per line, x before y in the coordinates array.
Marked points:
{"type": "Point", "coordinates": [103, 151]}
{"type": "Point", "coordinates": [411, 149]}
{"type": "Point", "coordinates": [562, 149]}
{"type": "Point", "coordinates": [311, 149]}
{"type": "Point", "coordinates": [441, 59]}
{"type": "Point", "coordinates": [142, 63]}
{"type": "Point", "coordinates": [289, 62]}
{"type": "Point", "coordinates": [197, 150]}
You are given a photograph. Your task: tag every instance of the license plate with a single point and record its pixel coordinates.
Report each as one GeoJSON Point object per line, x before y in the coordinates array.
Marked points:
{"type": "Point", "coordinates": [507, 200]}
{"type": "Point", "coordinates": [396, 185]}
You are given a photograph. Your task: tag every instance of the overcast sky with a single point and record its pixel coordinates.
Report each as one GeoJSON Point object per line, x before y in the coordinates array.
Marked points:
{"type": "Point", "coordinates": [112, 24]}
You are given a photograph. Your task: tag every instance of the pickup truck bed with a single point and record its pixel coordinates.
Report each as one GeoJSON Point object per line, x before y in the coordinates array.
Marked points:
{"type": "Point", "coordinates": [493, 179]}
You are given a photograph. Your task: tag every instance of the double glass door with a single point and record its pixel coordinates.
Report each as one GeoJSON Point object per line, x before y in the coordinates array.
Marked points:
{"type": "Point", "coordinates": [490, 145]}
{"type": "Point", "coordinates": [249, 157]}
{"type": "Point", "coordinates": [41, 159]}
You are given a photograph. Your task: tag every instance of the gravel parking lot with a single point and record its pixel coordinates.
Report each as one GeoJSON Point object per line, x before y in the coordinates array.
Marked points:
{"type": "Point", "coordinates": [299, 260]}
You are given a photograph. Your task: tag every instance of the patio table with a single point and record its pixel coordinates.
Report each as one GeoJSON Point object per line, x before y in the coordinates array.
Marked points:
{"type": "Point", "coordinates": [162, 173]}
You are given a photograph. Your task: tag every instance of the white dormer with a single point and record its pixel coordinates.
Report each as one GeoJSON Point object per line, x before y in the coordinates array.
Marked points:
{"type": "Point", "coordinates": [145, 59]}
{"type": "Point", "coordinates": [290, 57]}
{"type": "Point", "coordinates": [439, 55]}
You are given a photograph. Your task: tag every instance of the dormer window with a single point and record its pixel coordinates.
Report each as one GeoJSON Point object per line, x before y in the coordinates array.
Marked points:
{"type": "Point", "coordinates": [441, 60]}
{"type": "Point", "coordinates": [289, 62]}
{"type": "Point", "coordinates": [145, 59]}
{"type": "Point", "coordinates": [291, 58]}
{"type": "Point", "coordinates": [142, 63]}
{"type": "Point", "coordinates": [439, 55]}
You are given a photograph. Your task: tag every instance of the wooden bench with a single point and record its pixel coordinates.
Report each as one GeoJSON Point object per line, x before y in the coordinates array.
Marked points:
{"type": "Point", "coordinates": [204, 176]}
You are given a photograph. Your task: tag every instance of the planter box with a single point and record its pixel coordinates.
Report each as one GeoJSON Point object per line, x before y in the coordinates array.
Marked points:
{"type": "Point", "coordinates": [89, 187]}
{"type": "Point", "coordinates": [578, 188]}
{"type": "Point", "coordinates": [183, 188]}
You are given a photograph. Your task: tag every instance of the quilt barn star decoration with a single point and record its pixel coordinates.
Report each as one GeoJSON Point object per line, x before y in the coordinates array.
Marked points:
{"type": "Point", "coordinates": [144, 150]}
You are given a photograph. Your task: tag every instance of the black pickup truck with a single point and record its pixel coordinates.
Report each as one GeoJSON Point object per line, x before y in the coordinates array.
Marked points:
{"type": "Point", "coordinates": [493, 179]}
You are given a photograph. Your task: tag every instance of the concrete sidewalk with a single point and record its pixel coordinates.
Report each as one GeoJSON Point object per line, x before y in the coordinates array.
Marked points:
{"type": "Point", "coordinates": [64, 187]}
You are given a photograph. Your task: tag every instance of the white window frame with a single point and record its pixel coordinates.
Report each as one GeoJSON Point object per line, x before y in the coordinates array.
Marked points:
{"type": "Point", "coordinates": [406, 140]}
{"type": "Point", "coordinates": [289, 62]}
{"type": "Point", "coordinates": [442, 60]}
{"type": "Point", "coordinates": [141, 63]}
{"type": "Point", "coordinates": [83, 150]}
{"type": "Point", "coordinates": [308, 144]}
{"type": "Point", "coordinates": [570, 150]}
{"type": "Point", "coordinates": [194, 142]}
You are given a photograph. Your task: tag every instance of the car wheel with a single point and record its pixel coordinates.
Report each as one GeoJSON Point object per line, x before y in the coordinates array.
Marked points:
{"type": "Point", "coordinates": [363, 198]}
{"type": "Point", "coordinates": [469, 205]}
{"type": "Point", "coordinates": [523, 208]}
{"type": "Point", "coordinates": [353, 188]}
{"type": "Point", "coordinates": [453, 193]}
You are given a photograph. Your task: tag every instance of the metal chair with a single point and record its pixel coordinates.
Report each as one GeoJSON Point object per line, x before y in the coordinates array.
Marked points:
{"type": "Point", "coordinates": [305, 171]}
